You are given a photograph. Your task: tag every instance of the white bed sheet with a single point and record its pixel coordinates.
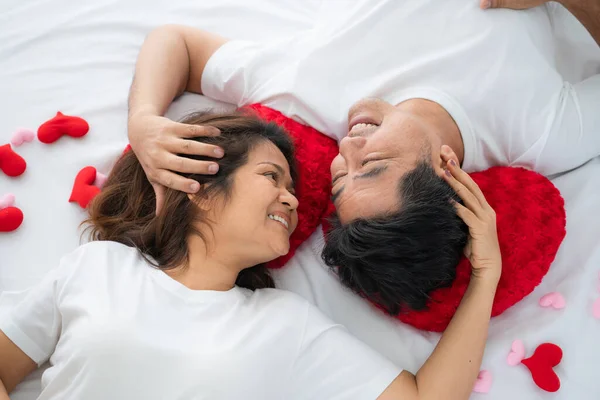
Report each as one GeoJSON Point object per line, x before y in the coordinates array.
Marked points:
{"type": "Point", "coordinates": [78, 57]}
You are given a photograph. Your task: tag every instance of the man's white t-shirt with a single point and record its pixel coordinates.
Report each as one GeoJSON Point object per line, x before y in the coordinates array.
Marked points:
{"type": "Point", "coordinates": [114, 327]}
{"type": "Point", "coordinates": [494, 71]}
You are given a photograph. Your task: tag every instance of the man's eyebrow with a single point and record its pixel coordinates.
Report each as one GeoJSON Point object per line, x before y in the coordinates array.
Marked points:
{"type": "Point", "coordinates": [279, 169]}
{"type": "Point", "coordinates": [375, 172]}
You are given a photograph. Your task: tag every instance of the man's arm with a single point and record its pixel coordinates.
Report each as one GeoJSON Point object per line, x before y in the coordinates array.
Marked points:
{"type": "Point", "coordinates": [588, 13]}
{"type": "Point", "coordinates": [170, 62]}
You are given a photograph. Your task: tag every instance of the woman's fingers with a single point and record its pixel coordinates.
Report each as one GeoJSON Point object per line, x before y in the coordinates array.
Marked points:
{"type": "Point", "coordinates": [468, 182]}
{"type": "Point", "coordinates": [463, 192]}
{"type": "Point", "coordinates": [466, 215]}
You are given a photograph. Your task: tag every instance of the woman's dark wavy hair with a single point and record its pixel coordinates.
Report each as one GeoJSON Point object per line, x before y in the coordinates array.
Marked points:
{"type": "Point", "coordinates": [125, 210]}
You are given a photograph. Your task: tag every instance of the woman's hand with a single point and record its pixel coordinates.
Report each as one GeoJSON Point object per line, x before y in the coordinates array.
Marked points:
{"type": "Point", "coordinates": [482, 250]}
{"type": "Point", "coordinates": [157, 142]}
{"type": "Point", "coordinates": [512, 4]}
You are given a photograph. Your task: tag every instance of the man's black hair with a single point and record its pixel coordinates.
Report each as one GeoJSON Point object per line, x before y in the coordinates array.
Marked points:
{"type": "Point", "coordinates": [397, 259]}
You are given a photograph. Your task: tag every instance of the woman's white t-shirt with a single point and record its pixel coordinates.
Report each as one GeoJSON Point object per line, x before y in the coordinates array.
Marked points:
{"type": "Point", "coordinates": [113, 327]}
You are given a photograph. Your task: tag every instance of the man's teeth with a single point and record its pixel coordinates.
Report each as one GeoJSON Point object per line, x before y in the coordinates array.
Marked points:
{"type": "Point", "coordinates": [279, 219]}
{"type": "Point", "coordinates": [362, 126]}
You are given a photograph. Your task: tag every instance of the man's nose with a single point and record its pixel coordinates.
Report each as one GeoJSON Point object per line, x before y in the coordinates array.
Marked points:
{"type": "Point", "coordinates": [350, 145]}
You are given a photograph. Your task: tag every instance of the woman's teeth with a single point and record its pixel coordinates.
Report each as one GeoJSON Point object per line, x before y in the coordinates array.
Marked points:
{"type": "Point", "coordinates": [279, 219]}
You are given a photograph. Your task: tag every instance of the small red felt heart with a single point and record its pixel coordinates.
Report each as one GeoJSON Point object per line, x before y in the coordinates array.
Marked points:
{"type": "Point", "coordinates": [10, 219]}
{"type": "Point", "coordinates": [11, 163]}
{"type": "Point", "coordinates": [83, 189]}
{"type": "Point", "coordinates": [51, 130]}
{"type": "Point", "coordinates": [544, 358]}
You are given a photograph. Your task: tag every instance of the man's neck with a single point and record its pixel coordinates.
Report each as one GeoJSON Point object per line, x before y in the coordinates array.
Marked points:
{"type": "Point", "coordinates": [441, 121]}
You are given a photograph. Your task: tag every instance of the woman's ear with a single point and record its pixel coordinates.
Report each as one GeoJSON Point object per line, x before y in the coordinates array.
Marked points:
{"type": "Point", "coordinates": [201, 201]}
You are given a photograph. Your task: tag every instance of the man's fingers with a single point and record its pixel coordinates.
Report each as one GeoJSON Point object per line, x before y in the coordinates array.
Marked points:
{"type": "Point", "coordinates": [192, 147]}
{"type": "Point", "coordinates": [176, 182]}
{"type": "Point", "coordinates": [189, 166]}
{"type": "Point", "coordinates": [159, 191]}
{"type": "Point", "coordinates": [191, 131]}
{"type": "Point", "coordinates": [512, 4]}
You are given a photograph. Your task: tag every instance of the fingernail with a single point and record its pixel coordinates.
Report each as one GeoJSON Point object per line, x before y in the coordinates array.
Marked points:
{"type": "Point", "coordinates": [219, 152]}
{"type": "Point", "coordinates": [453, 163]}
{"type": "Point", "coordinates": [213, 168]}
{"type": "Point", "coordinates": [485, 4]}
{"type": "Point", "coordinates": [195, 187]}
{"type": "Point", "coordinates": [216, 131]}
{"type": "Point", "coordinates": [447, 172]}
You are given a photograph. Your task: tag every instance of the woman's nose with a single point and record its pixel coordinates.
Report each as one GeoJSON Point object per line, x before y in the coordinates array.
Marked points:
{"type": "Point", "coordinates": [289, 200]}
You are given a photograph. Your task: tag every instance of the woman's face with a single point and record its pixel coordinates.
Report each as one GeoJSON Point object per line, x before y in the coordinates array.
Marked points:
{"type": "Point", "coordinates": [261, 213]}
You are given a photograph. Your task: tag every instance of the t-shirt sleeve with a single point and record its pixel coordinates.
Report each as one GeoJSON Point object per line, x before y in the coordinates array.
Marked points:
{"type": "Point", "coordinates": [573, 138]}
{"type": "Point", "coordinates": [243, 72]}
{"type": "Point", "coordinates": [332, 364]}
{"type": "Point", "coordinates": [34, 323]}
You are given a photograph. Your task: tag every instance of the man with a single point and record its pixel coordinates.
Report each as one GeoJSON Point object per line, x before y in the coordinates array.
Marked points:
{"type": "Point", "coordinates": [478, 87]}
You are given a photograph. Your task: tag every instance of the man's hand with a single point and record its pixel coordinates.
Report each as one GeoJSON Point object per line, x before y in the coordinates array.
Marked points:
{"type": "Point", "coordinates": [512, 4]}
{"type": "Point", "coordinates": [158, 141]}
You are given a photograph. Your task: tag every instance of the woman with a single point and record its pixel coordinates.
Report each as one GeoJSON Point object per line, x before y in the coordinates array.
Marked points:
{"type": "Point", "coordinates": [179, 305]}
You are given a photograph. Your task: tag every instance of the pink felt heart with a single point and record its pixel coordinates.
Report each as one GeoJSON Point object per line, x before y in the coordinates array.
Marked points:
{"type": "Point", "coordinates": [100, 180]}
{"type": "Point", "coordinates": [517, 353]}
{"type": "Point", "coordinates": [596, 308]}
{"type": "Point", "coordinates": [554, 300]}
{"type": "Point", "coordinates": [21, 136]}
{"type": "Point", "coordinates": [8, 200]}
{"type": "Point", "coordinates": [483, 384]}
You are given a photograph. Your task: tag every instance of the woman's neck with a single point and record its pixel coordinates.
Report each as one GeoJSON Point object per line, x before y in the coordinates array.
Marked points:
{"type": "Point", "coordinates": [207, 269]}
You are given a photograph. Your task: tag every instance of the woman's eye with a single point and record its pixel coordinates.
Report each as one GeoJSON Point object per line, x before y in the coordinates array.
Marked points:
{"type": "Point", "coordinates": [272, 175]}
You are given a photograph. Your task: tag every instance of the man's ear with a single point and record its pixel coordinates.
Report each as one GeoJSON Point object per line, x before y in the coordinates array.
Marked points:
{"type": "Point", "coordinates": [447, 154]}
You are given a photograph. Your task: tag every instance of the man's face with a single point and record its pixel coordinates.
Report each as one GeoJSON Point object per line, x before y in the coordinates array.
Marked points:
{"type": "Point", "coordinates": [383, 143]}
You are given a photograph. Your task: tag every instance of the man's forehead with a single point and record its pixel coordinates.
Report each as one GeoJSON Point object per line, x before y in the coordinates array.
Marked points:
{"type": "Point", "coordinates": [367, 201]}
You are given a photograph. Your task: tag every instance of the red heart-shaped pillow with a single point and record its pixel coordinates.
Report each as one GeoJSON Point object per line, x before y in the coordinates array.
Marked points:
{"type": "Point", "coordinates": [314, 152]}
{"type": "Point", "coordinates": [10, 219]}
{"type": "Point", "coordinates": [83, 188]}
{"type": "Point", "coordinates": [531, 224]}
{"type": "Point", "coordinates": [60, 125]}
{"type": "Point", "coordinates": [11, 163]}
{"type": "Point", "coordinates": [544, 358]}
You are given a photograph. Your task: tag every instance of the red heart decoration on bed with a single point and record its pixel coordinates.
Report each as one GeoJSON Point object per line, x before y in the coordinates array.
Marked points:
{"type": "Point", "coordinates": [83, 189]}
{"type": "Point", "coordinates": [53, 129]}
{"type": "Point", "coordinates": [11, 163]}
{"type": "Point", "coordinates": [10, 219]}
{"type": "Point", "coordinates": [544, 358]}
{"type": "Point", "coordinates": [314, 152]}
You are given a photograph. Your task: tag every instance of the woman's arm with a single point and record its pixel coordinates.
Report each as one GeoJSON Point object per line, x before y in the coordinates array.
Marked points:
{"type": "Point", "coordinates": [14, 366]}
{"type": "Point", "coordinates": [451, 370]}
